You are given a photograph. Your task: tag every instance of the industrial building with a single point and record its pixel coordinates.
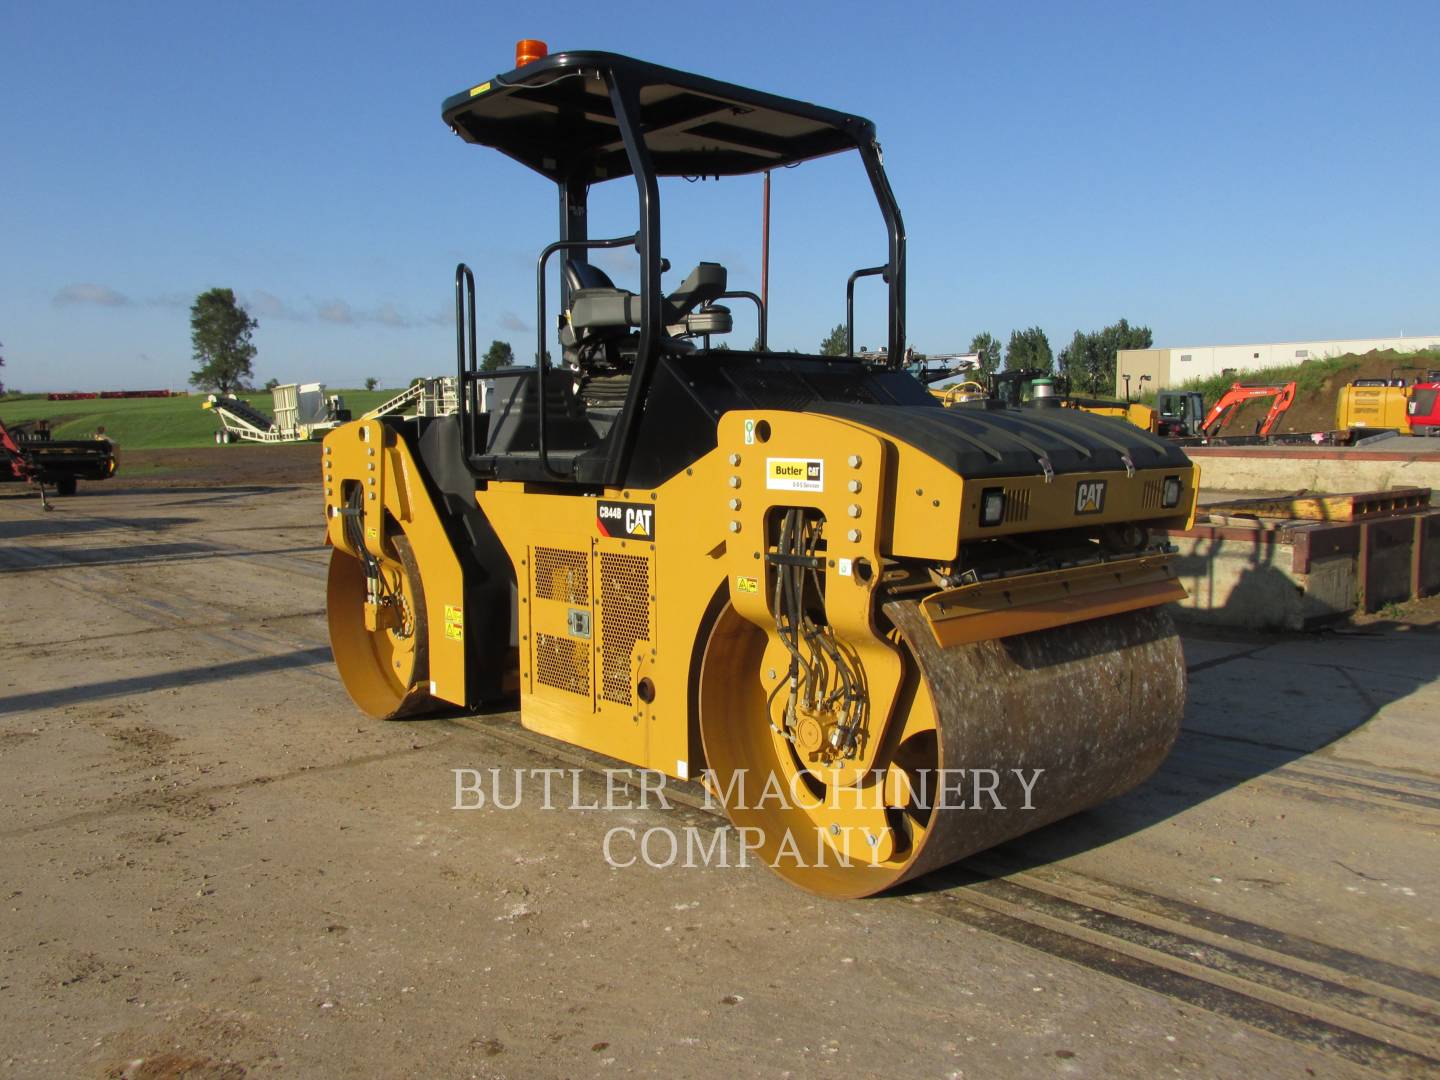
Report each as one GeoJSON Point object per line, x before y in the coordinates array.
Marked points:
{"type": "Point", "coordinates": [1172, 367]}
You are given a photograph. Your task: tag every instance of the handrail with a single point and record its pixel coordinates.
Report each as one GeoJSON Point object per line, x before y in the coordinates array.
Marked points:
{"type": "Point", "coordinates": [465, 375]}
{"type": "Point", "coordinates": [742, 294]}
{"type": "Point", "coordinates": [869, 271]}
{"type": "Point", "coordinates": [550, 249]}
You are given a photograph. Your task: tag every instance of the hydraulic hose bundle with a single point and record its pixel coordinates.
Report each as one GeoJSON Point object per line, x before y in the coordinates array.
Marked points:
{"type": "Point", "coordinates": [822, 680]}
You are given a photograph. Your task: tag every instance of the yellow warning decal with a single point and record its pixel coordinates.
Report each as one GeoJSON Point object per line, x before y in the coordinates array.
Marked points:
{"type": "Point", "coordinates": [454, 623]}
{"type": "Point", "coordinates": [476, 91]}
{"type": "Point", "coordinates": [747, 584]}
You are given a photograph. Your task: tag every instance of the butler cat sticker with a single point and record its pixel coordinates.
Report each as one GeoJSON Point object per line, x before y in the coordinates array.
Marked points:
{"type": "Point", "coordinates": [1090, 497]}
{"type": "Point", "coordinates": [794, 474]}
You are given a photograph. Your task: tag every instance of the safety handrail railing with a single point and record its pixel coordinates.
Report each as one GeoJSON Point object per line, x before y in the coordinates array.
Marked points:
{"type": "Point", "coordinates": [466, 364]}
{"type": "Point", "coordinates": [550, 249]}
{"type": "Point", "coordinates": [869, 271]}
{"type": "Point", "coordinates": [742, 294]}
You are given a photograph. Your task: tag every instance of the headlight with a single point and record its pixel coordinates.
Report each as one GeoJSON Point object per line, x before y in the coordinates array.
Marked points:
{"type": "Point", "coordinates": [992, 506]}
{"type": "Point", "coordinates": [1170, 492]}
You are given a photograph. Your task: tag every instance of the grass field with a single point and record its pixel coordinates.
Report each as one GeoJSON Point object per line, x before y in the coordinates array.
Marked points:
{"type": "Point", "coordinates": [150, 423]}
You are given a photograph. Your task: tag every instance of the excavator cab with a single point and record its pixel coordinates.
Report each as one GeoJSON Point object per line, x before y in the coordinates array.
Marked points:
{"type": "Point", "coordinates": [1181, 412]}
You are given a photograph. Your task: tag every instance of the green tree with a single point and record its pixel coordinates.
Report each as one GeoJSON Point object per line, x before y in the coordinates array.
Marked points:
{"type": "Point", "coordinates": [988, 346]}
{"type": "Point", "coordinates": [1089, 359]}
{"type": "Point", "coordinates": [220, 330]}
{"type": "Point", "coordinates": [1029, 349]}
{"type": "Point", "coordinates": [371, 383]}
{"type": "Point", "coordinates": [270, 384]}
{"type": "Point", "coordinates": [499, 355]}
{"type": "Point", "coordinates": [834, 342]}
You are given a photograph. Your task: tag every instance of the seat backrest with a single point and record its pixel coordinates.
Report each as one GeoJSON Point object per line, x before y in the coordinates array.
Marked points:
{"type": "Point", "coordinates": [581, 275]}
{"type": "Point", "coordinates": [595, 302]}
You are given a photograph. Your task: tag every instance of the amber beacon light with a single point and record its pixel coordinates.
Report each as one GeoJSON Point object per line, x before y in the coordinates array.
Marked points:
{"type": "Point", "coordinates": [527, 51]}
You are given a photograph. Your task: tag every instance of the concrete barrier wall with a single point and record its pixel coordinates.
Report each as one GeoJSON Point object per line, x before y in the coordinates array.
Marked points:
{"type": "Point", "coordinates": [1274, 469]}
{"type": "Point", "coordinates": [1295, 575]}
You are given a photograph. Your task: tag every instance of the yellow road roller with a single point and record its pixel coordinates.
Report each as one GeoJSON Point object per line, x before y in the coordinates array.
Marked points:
{"type": "Point", "coordinates": [885, 633]}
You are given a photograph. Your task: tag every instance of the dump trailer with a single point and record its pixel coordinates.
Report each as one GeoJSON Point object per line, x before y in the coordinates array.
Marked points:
{"type": "Point", "coordinates": [29, 454]}
{"type": "Point", "coordinates": [885, 633]}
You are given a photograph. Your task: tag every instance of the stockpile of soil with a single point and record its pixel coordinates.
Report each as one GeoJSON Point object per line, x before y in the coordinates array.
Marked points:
{"type": "Point", "coordinates": [1318, 386]}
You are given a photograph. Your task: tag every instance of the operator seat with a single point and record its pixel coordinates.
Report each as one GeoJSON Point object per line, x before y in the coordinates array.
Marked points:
{"type": "Point", "coordinates": [600, 311]}
{"type": "Point", "coordinates": [596, 304]}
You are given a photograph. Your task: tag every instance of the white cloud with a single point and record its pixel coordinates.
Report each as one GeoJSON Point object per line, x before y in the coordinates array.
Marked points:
{"type": "Point", "coordinates": [88, 293]}
{"type": "Point", "coordinates": [336, 311]}
{"type": "Point", "coordinates": [269, 306]}
{"type": "Point", "coordinates": [178, 301]}
{"type": "Point", "coordinates": [389, 315]}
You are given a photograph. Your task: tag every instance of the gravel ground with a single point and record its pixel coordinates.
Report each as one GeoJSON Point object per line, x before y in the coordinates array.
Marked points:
{"type": "Point", "coordinates": [213, 866]}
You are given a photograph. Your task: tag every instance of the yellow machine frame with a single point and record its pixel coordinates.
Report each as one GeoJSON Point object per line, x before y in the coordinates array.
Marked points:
{"type": "Point", "coordinates": [626, 691]}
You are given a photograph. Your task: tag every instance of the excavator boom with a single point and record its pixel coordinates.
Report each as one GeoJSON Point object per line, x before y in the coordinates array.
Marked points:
{"type": "Point", "coordinates": [1238, 394]}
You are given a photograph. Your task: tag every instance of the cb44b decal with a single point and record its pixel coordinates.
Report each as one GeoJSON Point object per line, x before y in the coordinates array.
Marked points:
{"type": "Point", "coordinates": [625, 521]}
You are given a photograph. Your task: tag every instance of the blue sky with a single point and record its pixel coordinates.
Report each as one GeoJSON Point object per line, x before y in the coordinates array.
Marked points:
{"type": "Point", "coordinates": [1221, 172]}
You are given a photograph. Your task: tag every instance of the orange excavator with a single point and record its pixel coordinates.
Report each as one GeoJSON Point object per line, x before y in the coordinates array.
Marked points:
{"type": "Point", "coordinates": [1238, 394]}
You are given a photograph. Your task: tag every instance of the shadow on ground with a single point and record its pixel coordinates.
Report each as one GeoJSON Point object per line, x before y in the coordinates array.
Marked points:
{"type": "Point", "coordinates": [20, 558]}
{"type": "Point", "coordinates": [165, 680]}
{"type": "Point", "coordinates": [1226, 741]}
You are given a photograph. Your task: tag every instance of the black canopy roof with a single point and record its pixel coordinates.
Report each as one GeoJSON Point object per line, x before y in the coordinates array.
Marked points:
{"type": "Point", "coordinates": [556, 116]}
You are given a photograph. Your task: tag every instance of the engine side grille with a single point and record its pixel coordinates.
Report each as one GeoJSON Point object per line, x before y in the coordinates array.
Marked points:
{"type": "Point", "coordinates": [562, 574]}
{"type": "Point", "coordinates": [563, 663]}
{"type": "Point", "coordinates": [1151, 495]}
{"type": "Point", "coordinates": [624, 620]}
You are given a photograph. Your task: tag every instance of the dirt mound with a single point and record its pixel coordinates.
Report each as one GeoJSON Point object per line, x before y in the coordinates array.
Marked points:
{"type": "Point", "coordinates": [1318, 386]}
{"type": "Point", "coordinates": [217, 466]}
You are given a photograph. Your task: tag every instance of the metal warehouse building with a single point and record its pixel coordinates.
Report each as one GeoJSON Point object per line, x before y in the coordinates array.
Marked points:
{"type": "Point", "coordinates": [1171, 367]}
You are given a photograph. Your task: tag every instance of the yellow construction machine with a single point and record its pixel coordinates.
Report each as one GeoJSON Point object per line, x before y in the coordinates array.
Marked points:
{"type": "Point", "coordinates": [1039, 388]}
{"type": "Point", "coordinates": [1410, 408]}
{"type": "Point", "coordinates": [886, 633]}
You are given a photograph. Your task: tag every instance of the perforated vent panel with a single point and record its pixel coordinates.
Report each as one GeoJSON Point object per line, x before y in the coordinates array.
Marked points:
{"type": "Point", "coordinates": [561, 574]}
{"type": "Point", "coordinates": [624, 620]}
{"type": "Point", "coordinates": [563, 663]}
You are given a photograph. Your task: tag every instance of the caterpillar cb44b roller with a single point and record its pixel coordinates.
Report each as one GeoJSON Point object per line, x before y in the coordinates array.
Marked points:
{"type": "Point", "coordinates": [886, 633]}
